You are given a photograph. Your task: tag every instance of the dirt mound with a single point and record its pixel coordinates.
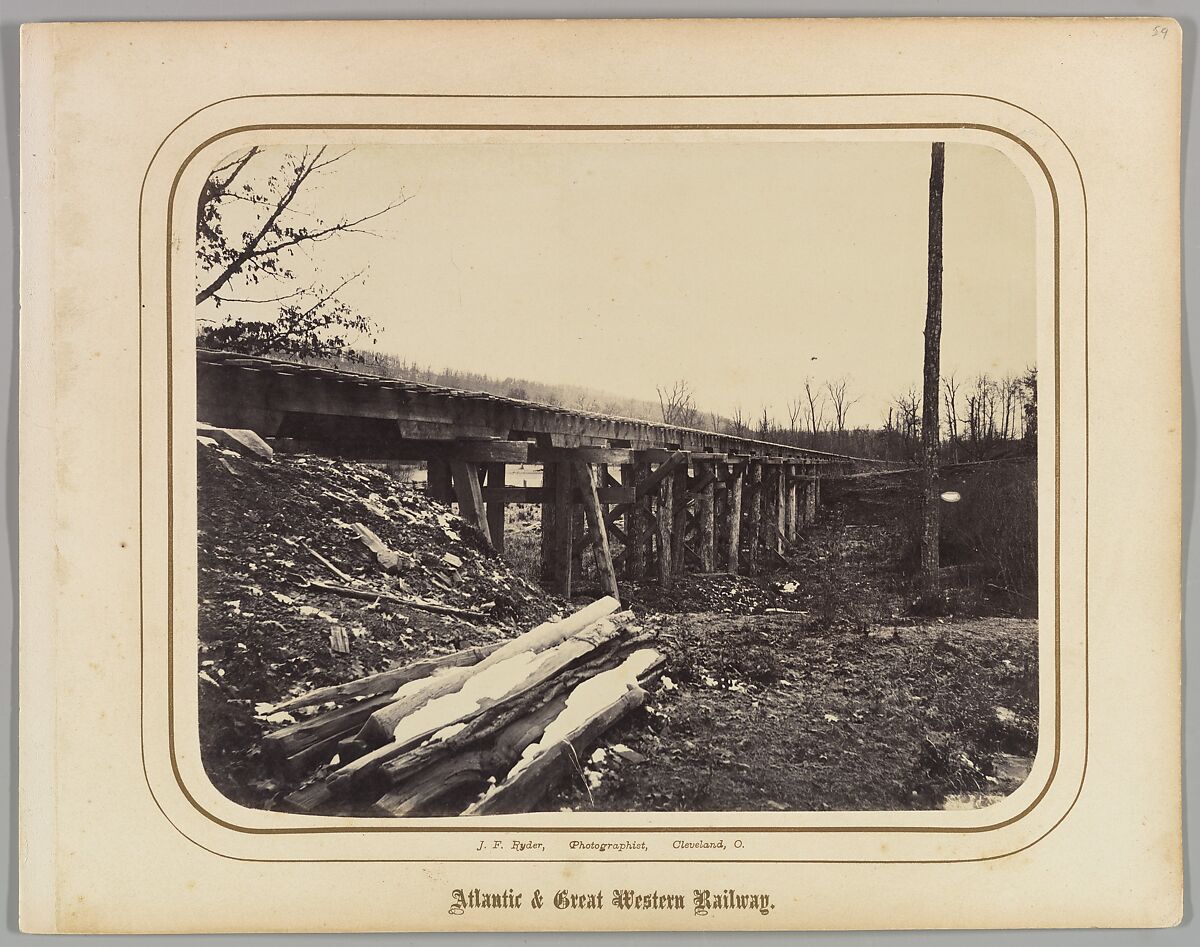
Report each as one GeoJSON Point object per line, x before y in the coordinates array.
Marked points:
{"type": "Point", "coordinates": [267, 634]}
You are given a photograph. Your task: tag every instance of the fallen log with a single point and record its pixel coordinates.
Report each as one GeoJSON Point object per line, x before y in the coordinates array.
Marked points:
{"type": "Point", "coordinates": [485, 687]}
{"type": "Point", "coordinates": [379, 729]}
{"type": "Point", "coordinates": [386, 682]}
{"type": "Point", "coordinates": [462, 770]}
{"type": "Point", "coordinates": [309, 798]}
{"type": "Point", "coordinates": [292, 739]}
{"type": "Point", "coordinates": [372, 595]}
{"type": "Point", "coordinates": [592, 707]}
{"type": "Point", "coordinates": [463, 720]}
{"type": "Point", "coordinates": [487, 725]}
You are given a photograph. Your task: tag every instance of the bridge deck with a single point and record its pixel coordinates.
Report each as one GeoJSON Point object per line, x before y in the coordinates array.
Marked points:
{"type": "Point", "coordinates": [684, 498]}
{"type": "Point", "coordinates": [385, 418]}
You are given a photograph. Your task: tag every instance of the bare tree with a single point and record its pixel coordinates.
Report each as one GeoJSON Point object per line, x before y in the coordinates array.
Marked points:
{"type": "Point", "coordinates": [677, 404]}
{"type": "Point", "coordinates": [248, 230]}
{"type": "Point", "coordinates": [950, 388]}
{"type": "Point", "coordinates": [764, 424]}
{"type": "Point", "coordinates": [1029, 406]}
{"type": "Point", "coordinates": [841, 402]}
{"type": "Point", "coordinates": [816, 408]}
{"type": "Point", "coordinates": [794, 408]}
{"type": "Point", "coordinates": [586, 402]}
{"type": "Point", "coordinates": [930, 429]}
{"type": "Point", "coordinates": [907, 414]}
{"type": "Point", "coordinates": [1010, 393]}
{"type": "Point", "coordinates": [981, 403]}
{"type": "Point", "coordinates": [737, 422]}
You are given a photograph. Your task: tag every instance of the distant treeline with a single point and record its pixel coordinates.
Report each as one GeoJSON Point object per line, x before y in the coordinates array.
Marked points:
{"type": "Point", "coordinates": [984, 419]}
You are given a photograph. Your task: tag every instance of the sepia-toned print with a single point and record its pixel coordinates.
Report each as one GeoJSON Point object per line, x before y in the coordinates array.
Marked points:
{"type": "Point", "coordinates": [617, 476]}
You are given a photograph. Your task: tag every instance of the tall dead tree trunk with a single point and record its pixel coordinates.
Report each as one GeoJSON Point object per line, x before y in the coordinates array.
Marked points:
{"type": "Point", "coordinates": [930, 432]}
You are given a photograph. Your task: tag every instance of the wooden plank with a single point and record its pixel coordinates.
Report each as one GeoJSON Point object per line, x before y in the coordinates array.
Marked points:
{"type": "Point", "coordinates": [579, 539]}
{"type": "Point", "coordinates": [753, 514]}
{"type": "Point", "coordinates": [564, 529]}
{"type": "Point", "coordinates": [356, 439]}
{"type": "Point", "coordinates": [704, 478]}
{"type": "Point", "coordinates": [780, 505]}
{"type": "Point", "coordinates": [810, 495]}
{"type": "Point", "coordinates": [482, 450]}
{"type": "Point", "coordinates": [616, 532]}
{"type": "Point", "coordinates": [707, 516]}
{"type": "Point", "coordinates": [720, 502]}
{"type": "Point", "coordinates": [636, 534]}
{"type": "Point", "coordinates": [661, 472]}
{"type": "Point", "coordinates": [380, 727]}
{"type": "Point", "coordinates": [495, 508]}
{"type": "Point", "coordinates": [549, 572]}
{"type": "Point", "coordinates": [733, 522]}
{"type": "Point", "coordinates": [663, 522]}
{"type": "Point", "coordinates": [765, 493]}
{"type": "Point", "coordinates": [680, 519]}
{"type": "Point", "coordinates": [790, 490]}
{"type": "Point", "coordinates": [470, 497]}
{"type": "Point", "coordinates": [770, 503]}
{"type": "Point", "coordinates": [586, 477]}
{"type": "Point", "coordinates": [587, 455]}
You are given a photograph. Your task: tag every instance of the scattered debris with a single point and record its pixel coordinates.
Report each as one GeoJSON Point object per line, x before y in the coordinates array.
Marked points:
{"type": "Point", "coordinates": [627, 754]}
{"type": "Point", "coordinates": [326, 563]}
{"type": "Point", "coordinates": [375, 595]}
{"type": "Point", "coordinates": [389, 560]}
{"type": "Point", "coordinates": [265, 536]}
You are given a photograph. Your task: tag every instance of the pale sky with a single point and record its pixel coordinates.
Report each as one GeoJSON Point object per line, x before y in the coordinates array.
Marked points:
{"type": "Point", "coordinates": [733, 265]}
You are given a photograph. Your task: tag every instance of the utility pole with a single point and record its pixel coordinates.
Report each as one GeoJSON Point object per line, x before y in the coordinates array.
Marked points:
{"type": "Point", "coordinates": [930, 428]}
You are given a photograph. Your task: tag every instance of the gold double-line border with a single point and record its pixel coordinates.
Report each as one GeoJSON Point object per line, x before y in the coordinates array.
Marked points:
{"type": "Point", "coordinates": [398, 825]}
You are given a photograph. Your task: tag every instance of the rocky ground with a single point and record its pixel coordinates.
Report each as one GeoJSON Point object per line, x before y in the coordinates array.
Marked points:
{"type": "Point", "coordinates": [810, 687]}
{"type": "Point", "coordinates": [266, 635]}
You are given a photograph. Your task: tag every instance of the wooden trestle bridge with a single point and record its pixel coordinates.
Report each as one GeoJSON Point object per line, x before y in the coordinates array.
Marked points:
{"type": "Point", "coordinates": [677, 499]}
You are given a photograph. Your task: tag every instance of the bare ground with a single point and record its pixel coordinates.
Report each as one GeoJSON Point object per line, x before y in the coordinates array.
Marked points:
{"type": "Point", "coordinates": [809, 687]}
{"type": "Point", "coordinates": [766, 712]}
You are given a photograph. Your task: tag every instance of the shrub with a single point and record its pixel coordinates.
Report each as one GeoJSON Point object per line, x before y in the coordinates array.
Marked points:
{"type": "Point", "coordinates": [993, 530]}
{"type": "Point", "coordinates": [988, 538]}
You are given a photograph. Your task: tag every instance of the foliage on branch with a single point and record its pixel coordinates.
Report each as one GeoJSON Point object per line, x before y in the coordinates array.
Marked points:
{"type": "Point", "coordinates": [248, 231]}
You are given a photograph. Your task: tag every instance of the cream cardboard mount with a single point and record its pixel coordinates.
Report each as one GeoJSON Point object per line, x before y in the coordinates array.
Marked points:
{"type": "Point", "coordinates": [512, 131]}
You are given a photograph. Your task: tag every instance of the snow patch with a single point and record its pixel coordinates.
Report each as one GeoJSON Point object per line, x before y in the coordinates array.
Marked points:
{"type": "Point", "coordinates": [585, 701]}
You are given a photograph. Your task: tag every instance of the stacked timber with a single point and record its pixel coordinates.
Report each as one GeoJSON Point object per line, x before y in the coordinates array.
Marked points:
{"type": "Point", "coordinates": [487, 730]}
